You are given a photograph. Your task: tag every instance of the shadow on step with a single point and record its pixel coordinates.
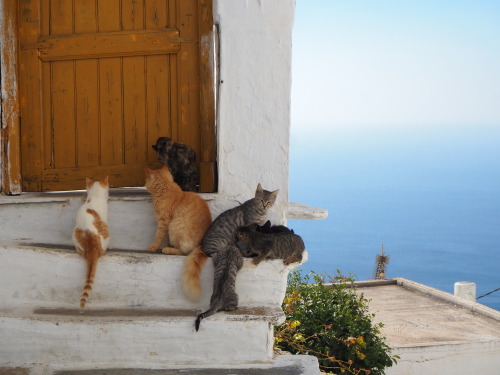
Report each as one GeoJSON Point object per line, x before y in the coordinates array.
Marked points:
{"type": "Point", "coordinates": [285, 370]}
{"type": "Point", "coordinates": [111, 312]}
{"type": "Point", "coordinates": [141, 312]}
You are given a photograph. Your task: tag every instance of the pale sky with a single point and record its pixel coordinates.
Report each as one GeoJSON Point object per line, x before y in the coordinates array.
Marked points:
{"type": "Point", "coordinates": [396, 63]}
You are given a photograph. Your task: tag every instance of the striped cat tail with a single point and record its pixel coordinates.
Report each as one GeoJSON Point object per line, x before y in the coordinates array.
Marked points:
{"type": "Point", "coordinates": [92, 257]}
{"type": "Point", "coordinates": [191, 274]}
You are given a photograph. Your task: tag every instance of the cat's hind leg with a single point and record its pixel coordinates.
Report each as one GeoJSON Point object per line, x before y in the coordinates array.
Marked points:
{"type": "Point", "coordinates": [234, 262]}
{"type": "Point", "coordinates": [230, 301]}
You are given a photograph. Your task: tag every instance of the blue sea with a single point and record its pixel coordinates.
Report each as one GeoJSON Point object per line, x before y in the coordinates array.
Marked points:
{"type": "Point", "coordinates": [430, 195]}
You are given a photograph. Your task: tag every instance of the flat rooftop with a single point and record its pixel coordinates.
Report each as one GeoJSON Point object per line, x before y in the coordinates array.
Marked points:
{"type": "Point", "coordinates": [417, 315]}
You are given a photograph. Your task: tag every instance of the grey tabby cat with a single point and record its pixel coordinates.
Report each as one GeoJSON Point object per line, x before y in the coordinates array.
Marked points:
{"type": "Point", "coordinates": [220, 244]}
{"type": "Point", "coordinates": [279, 244]}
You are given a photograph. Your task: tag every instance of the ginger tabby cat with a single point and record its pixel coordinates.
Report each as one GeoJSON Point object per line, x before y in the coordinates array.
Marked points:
{"type": "Point", "coordinates": [183, 219]}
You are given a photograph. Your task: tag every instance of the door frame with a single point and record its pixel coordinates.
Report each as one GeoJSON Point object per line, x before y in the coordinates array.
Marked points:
{"type": "Point", "coordinates": [10, 132]}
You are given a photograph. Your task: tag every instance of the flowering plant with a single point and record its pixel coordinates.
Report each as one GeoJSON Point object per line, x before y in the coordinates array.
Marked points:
{"type": "Point", "coordinates": [331, 322]}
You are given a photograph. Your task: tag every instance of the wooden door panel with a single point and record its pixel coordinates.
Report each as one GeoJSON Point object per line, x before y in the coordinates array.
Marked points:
{"type": "Point", "coordinates": [87, 109]}
{"type": "Point", "coordinates": [134, 109]}
{"type": "Point", "coordinates": [86, 17]}
{"type": "Point", "coordinates": [71, 178]}
{"type": "Point", "coordinates": [100, 81]}
{"type": "Point", "coordinates": [86, 89]}
{"type": "Point", "coordinates": [158, 108]}
{"type": "Point", "coordinates": [111, 114]}
{"type": "Point", "coordinates": [109, 15]}
{"type": "Point", "coordinates": [63, 114]}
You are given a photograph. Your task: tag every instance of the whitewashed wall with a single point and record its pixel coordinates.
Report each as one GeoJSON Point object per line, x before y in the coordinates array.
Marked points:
{"type": "Point", "coordinates": [254, 108]}
{"type": "Point", "coordinates": [253, 127]}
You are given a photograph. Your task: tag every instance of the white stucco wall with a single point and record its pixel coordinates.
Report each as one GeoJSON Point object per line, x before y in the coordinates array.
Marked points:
{"type": "Point", "coordinates": [254, 98]}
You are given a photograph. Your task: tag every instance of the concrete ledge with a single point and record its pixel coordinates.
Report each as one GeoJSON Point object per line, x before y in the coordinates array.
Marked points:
{"type": "Point", "coordinates": [279, 365]}
{"type": "Point", "coordinates": [121, 194]}
{"type": "Point", "coordinates": [272, 316]}
{"type": "Point", "coordinates": [133, 340]}
{"type": "Point", "coordinates": [447, 297]}
{"type": "Point", "coordinates": [53, 277]}
{"type": "Point", "coordinates": [50, 217]}
{"type": "Point", "coordinates": [137, 315]}
{"type": "Point", "coordinates": [304, 212]}
{"type": "Point", "coordinates": [478, 358]}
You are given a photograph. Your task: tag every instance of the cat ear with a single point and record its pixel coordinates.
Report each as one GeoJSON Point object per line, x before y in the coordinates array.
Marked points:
{"type": "Point", "coordinates": [88, 182]}
{"type": "Point", "coordinates": [259, 189]}
{"type": "Point", "coordinates": [105, 182]}
{"type": "Point", "coordinates": [147, 170]}
{"type": "Point", "coordinates": [275, 193]}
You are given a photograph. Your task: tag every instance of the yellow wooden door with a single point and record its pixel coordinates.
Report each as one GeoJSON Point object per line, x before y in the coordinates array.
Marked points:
{"type": "Point", "coordinates": [100, 81]}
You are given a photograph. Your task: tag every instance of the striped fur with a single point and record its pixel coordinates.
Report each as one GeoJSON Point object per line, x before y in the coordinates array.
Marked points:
{"type": "Point", "coordinates": [278, 243]}
{"type": "Point", "coordinates": [219, 243]}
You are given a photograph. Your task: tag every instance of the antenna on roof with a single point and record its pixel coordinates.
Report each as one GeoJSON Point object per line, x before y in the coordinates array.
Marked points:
{"type": "Point", "coordinates": [381, 262]}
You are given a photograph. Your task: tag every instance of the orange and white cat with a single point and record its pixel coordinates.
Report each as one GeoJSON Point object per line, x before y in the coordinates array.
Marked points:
{"type": "Point", "coordinates": [183, 219]}
{"type": "Point", "coordinates": [91, 233]}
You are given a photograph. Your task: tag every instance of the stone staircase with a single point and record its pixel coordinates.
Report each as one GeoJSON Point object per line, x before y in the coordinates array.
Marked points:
{"type": "Point", "coordinates": [137, 319]}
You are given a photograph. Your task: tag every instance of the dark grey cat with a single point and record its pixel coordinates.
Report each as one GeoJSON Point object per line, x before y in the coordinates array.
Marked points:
{"type": "Point", "coordinates": [280, 244]}
{"type": "Point", "coordinates": [181, 159]}
{"type": "Point", "coordinates": [220, 244]}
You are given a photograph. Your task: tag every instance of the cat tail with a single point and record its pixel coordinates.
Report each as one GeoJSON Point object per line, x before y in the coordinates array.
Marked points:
{"type": "Point", "coordinates": [221, 275]}
{"type": "Point", "coordinates": [211, 311]}
{"type": "Point", "coordinates": [92, 257]}
{"type": "Point", "coordinates": [192, 271]}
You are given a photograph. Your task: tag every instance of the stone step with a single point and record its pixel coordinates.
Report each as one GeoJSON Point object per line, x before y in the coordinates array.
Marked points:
{"type": "Point", "coordinates": [279, 365]}
{"type": "Point", "coordinates": [137, 315]}
{"type": "Point", "coordinates": [53, 276]}
{"type": "Point", "coordinates": [135, 337]}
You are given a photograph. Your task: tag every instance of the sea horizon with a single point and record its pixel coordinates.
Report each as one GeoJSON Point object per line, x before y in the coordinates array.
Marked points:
{"type": "Point", "coordinates": [431, 197]}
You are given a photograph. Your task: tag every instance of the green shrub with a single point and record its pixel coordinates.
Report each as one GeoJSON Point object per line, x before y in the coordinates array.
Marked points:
{"type": "Point", "coordinates": [332, 323]}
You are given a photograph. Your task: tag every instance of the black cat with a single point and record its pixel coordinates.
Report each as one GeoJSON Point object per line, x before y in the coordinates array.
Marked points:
{"type": "Point", "coordinates": [268, 228]}
{"type": "Point", "coordinates": [181, 159]}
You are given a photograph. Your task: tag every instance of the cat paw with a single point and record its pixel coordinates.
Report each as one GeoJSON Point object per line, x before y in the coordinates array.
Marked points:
{"type": "Point", "coordinates": [153, 249]}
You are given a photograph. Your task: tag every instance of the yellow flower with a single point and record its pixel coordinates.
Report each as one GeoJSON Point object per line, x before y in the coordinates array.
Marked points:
{"type": "Point", "coordinates": [298, 337]}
